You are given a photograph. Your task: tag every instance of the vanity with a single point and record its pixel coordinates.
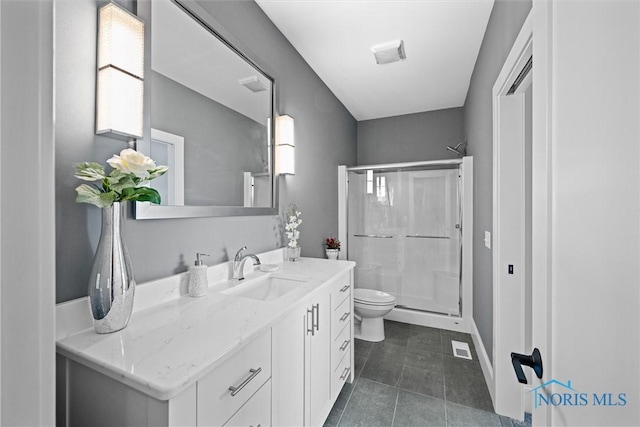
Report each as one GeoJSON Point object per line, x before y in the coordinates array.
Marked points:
{"type": "Point", "coordinates": [273, 349]}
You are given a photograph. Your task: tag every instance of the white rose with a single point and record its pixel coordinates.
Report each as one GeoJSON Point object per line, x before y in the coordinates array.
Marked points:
{"type": "Point", "coordinates": [131, 161]}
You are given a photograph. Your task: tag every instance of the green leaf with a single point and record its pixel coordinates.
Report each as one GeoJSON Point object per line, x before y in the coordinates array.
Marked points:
{"type": "Point", "coordinates": [107, 199]}
{"type": "Point", "coordinates": [119, 180]}
{"type": "Point", "coordinates": [91, 195]}
{"type": "Point", "coordinates": [142, 194]}
{"type": "Point", "coordinates": [158, 171]}
{"type": "Point", "coordinates": [89, 171]}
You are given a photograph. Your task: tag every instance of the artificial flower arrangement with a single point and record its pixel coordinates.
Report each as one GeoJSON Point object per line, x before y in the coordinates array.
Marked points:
{"type": "Point", "coordinates": [131, 170]}
{"type": "Point", "coordinates": [332, 243]}
{"type": "Point", "coordinates": [291, 227]}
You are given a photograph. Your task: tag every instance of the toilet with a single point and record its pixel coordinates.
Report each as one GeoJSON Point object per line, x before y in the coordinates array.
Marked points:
{"type": "Point", "coordinates": [370, 306]}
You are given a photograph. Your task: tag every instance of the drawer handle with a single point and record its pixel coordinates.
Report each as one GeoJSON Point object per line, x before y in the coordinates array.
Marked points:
{"type": "Point", "coordinates": [345, 316]}
{"type": "Point", "coordinates": [345, 373]}
{"type": "Point", "coordinates": [344, 345]}
{"type": "Point", "coordinates": [345, 288]}
{"type": "Point", "coordinates": [236, 390]}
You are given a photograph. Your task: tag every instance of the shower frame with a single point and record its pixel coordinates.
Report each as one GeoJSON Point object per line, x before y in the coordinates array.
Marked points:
{"type": "Point", "coordinates": [465, 321]}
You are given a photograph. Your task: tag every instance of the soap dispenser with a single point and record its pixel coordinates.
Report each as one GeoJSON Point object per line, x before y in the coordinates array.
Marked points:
{"type": "Point", "coordinates": [198, 284]}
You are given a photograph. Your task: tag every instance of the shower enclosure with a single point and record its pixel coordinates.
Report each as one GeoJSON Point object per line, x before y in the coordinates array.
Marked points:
{"type": "Point", "coordinates": [405, 226]}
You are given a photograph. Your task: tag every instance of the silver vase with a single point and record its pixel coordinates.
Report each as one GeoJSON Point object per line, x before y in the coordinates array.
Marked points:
{"type": "Point", "coordinates": [111, 283]}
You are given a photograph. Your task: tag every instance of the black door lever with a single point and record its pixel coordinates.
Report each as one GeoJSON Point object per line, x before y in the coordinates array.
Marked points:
{"type": "Point", "coordinates": [534, 361]}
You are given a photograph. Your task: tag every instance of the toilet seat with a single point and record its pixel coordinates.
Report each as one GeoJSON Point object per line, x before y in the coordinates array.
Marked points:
{"type": "Point", "coordinates": [372, 297]}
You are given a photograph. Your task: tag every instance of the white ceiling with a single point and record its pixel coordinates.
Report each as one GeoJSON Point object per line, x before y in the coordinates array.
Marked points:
{"type": "Point", "coordinates": [442, 39]}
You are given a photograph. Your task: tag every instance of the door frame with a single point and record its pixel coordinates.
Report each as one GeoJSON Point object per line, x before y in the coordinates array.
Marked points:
{"type": "Point", "coordinates": [538, 23]}
{"type": "Point", "coordinates": [534, 39]}
{"type": "Point", "coordinates": [508, 216]}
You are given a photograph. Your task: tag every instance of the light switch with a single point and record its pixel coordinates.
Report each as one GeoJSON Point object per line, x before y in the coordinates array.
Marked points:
{"type": "Point", "coordinates": [487, 239]}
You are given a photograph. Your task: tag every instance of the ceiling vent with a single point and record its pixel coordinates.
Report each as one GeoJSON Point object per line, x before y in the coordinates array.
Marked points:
{"type": "Point", "coordinates": [388, 52]}
{"type": "Point", "coordinates": [253, 84]}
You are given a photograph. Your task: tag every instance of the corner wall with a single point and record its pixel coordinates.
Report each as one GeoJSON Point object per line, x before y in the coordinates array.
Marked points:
{"type": "Point", "coordinates": [325, 137]}
{"type": "Point", "coordinates": [410, 137]}
{"type": "Point", "coordinates": [504, 25]}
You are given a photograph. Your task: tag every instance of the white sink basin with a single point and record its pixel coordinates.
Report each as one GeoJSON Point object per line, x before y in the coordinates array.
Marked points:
{"type": "Point", "coordinates": [266, 288]}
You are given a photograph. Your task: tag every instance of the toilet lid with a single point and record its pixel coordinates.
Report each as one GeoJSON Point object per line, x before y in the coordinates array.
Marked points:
{"type": "Point", "coordinates": [372, 297]}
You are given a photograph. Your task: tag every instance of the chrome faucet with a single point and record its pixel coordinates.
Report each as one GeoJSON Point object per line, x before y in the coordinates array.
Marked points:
{"type": "Point", "coordinates": [238, 263]}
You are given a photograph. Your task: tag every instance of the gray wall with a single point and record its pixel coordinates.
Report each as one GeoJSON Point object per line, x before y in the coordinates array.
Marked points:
{"type": "Point", "coordinates": [504, 25]}
{"type": "Point", "coordinates": [325, 137]}
{"type": "Point", "coordinates": [411, 137]}
{"type": "Point", "coordinates": [220, 143]}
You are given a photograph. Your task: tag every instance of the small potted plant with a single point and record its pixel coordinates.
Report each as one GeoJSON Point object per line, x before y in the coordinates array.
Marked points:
{"type": "Point", "coordinates": [333, 247]}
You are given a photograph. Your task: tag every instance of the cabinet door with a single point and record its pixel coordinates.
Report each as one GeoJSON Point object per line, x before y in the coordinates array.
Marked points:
{"type": "Point", "coordinates": [289, 336]}
{"type": "Point", "coordinates": [319, 359]}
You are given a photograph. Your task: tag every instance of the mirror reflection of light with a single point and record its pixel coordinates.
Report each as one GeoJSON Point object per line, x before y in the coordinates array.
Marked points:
{"type": "Point", "coordinates": [370, 181]}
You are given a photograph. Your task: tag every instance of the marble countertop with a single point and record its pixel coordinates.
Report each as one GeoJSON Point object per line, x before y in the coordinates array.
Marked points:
{"type": "Point", "coordinates": [169, 346]}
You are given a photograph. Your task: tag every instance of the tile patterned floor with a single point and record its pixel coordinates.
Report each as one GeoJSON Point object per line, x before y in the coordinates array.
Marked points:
{"type": "Point", "coordinates": [412, 379]}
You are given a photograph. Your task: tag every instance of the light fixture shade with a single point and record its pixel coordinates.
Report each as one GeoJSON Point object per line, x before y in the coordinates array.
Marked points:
{"type": "Point", "coordinates": [120, 87]}
{"type": "Point", "coordinates": [285, 146]}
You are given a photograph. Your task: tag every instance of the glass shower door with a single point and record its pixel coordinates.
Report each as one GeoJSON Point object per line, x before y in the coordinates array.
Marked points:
{"type": "Point", "coordinates": [432, 243]}
{"type": "Point", "coordinates": [404, 234]}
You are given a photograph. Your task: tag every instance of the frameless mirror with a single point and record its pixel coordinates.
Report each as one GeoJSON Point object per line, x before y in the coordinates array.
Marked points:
{"type": "Point", "coordinates": [209, 110]}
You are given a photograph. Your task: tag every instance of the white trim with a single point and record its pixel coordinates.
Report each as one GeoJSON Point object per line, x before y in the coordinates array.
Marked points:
{"type": "Point", "coordinates": [28, 287]}
{"type": "Point", "coordinates": [342, 210]}
{"type": "Point", "coordinates": [506, 288]}
{"type": "Point", "coordinates": [542, 180]}
{"type": "Point", "coordinates": [1, 354]}
{"type": "Point", "coordinates": [483, 358]}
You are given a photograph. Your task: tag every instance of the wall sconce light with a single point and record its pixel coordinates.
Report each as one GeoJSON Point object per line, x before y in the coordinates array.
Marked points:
{"type": "Point", "coordinates": [120, 91]}
{"type": "Point", "coordinates": [285, 146]}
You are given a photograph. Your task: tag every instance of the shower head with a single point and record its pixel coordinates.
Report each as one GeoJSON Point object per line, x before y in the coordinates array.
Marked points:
{"type": "Point", "coordinates": [460, 152]}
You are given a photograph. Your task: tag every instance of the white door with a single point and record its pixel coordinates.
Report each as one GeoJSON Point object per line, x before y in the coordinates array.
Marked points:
{"type": "Point", "coordinates": [512, 212]}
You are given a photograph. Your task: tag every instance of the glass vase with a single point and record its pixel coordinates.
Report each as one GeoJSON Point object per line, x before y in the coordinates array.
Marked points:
{"type": "Point", "coordinates": [111, 283]}
{"type": "Point", "coordinates": [293, 254]}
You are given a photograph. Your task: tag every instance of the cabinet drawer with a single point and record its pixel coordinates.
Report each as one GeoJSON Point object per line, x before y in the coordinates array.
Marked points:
{"type": "Point", "coordinates": [340, 375]}
{"type": "Point", "coordinates": [256, 412]}
{"type": "Point", "coordinates": [246, 371]}
{"type": "Point", "coordinates": [340, 318]}
{"type": "Point", "coordinates": [340, 290]}
{"type": "Point", "coordinates": [340, 347]}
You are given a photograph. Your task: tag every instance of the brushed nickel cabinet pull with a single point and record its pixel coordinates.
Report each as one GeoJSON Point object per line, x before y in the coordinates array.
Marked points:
{"type": "Point", "coordinates": [345, 316]}
{"type": "Point", "coordinates": [310, 317]}
{"type": "Point", "coordinates": [345, 288]}
{"type": "Point", "coordinates": [344, 345]}
{"type": "Point", "coordinates": [235, 390]}
{"type": "Point", "coordinates": [345, 373]}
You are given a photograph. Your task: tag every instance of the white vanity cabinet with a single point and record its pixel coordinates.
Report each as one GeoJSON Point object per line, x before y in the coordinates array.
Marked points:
{"type": "Point", "coordinates": [224, 360]}
{"type": "Point", "coordinates": [232, 386]}
{"type": "Point", "coordinates": [308, 348]}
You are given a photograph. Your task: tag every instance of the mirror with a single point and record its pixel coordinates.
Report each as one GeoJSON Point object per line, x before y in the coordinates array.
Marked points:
{"type": "Point", "coordinates": [209, 110]}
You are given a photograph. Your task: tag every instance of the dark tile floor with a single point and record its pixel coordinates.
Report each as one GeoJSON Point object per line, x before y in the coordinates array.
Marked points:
{"type": "Point", "coordinates": [412, 379]}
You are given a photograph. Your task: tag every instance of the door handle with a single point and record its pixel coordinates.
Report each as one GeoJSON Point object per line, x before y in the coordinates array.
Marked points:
{"type": "Point", "coordinates": [534, 361]}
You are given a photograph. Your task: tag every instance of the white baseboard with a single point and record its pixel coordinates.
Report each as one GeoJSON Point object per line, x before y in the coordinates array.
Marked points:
{"type": "Point", "coordinates": [483, 358]}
